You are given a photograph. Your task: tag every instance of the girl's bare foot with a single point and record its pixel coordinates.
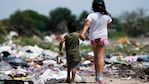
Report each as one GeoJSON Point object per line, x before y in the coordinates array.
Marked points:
{"type": "Point", "coordinates": [72, 82]}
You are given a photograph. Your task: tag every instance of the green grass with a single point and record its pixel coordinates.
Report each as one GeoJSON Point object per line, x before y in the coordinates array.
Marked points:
{"type": "Point", "coordinates": [85, 48]}
{"type": "Point", "coordinates": [23, 41]}
{"type": "Point", "coordinates": [117, 34]}
{"type": "Point", "coordinates": [113, 48]}
{"type": "Point", "coordinates": [2, 39]}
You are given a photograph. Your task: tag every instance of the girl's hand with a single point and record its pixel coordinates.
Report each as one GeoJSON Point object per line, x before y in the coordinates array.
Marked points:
{"type": "Point", "coordinates": [82, 37]}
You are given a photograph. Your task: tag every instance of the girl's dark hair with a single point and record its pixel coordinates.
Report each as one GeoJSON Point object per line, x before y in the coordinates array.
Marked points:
{"type": "Point", "coordinates": [72, 26]}
{"type": "Point", "coordinates": [99, 6]}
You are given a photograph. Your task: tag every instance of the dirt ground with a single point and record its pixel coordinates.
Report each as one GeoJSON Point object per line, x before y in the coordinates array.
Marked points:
{"type": "Point", "coordinates": [116, 80]}
{"type": "Point", "coordinates": [112, 80]}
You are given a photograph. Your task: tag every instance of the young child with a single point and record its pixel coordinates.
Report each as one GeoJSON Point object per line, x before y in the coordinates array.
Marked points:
{"type": "Point", "coordinates": [98, 22]}
{"type": "Point", "coordinates": [73, 56]}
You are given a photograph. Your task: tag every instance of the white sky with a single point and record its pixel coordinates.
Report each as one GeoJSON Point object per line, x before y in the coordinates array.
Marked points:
{"type": "Point", "coordinates": [115, 7]}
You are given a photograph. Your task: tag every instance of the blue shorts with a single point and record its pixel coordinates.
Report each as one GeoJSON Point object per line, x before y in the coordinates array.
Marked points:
{"type": "Point", "coordinates": [72, 65]}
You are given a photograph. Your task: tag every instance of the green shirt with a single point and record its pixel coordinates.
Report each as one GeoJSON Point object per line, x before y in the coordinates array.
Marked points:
{"type": "Point", "coordinates": [72, 47]}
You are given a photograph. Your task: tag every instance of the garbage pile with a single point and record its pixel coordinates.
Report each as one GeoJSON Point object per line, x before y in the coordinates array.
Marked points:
{"type": "Point", "coordinates": [128, 67]}
{"type": "Point", "coordinates": [32, 63]}
{"type": "Point", "coordinates": [42, 66]}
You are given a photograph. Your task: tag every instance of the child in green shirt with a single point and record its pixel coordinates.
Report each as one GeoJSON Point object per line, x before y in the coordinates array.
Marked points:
{"type": "Point", "coordinates": [73, 56]}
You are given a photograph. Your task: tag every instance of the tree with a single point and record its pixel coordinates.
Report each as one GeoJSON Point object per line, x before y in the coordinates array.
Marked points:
{"type": "Point", "coordinates": [135, 23]}
{"type": "Point", "coordinates": [81, 19]}
{"type": "Point", "coordinates": [3, 31]}
{"type": "Point", "coordinates": [28, 22]}
{"type": "Point", "coordinates": [4, 25]}
{"type": "Point", "coordinates": [116, 24]}
{"type": "Point", "coordinates": [59, 18]}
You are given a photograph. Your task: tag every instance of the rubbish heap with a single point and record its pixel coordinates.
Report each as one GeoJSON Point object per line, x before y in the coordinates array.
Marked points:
{"type": "Point", "coordinates": [32, 63]}
{"type": "Point", "coordinates": [42, 66]}
{"type": "Point", "coordinates": [127, 67]}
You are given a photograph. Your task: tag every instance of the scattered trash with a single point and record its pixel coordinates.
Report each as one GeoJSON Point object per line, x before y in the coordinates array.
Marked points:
{"type": "Point", "coordinates": [15, 61]}
{"type": "Point", "coordinates": [129, 78]}
{"type": "Point", "coordinates": [41, 66]}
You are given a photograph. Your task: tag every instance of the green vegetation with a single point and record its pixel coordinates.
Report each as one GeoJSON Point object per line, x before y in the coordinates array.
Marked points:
{"type": "Point", "coordinates": [117, 34]}
{"type": "Point", "coordinates": [23, 41]}
{"type": "Point", "coordinates": [29, 23]}
{"type": "Point", "coordinates": [2, 39]}
{"type": "Point", "coordinates": [85, 48]}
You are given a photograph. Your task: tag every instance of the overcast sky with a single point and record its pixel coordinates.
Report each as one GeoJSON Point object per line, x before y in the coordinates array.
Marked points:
{"type": "Point", "coordinates": [115, 7]}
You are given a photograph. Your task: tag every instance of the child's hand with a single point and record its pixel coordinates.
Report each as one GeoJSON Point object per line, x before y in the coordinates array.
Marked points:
{"type": "Point", "coordinates": [61, 53]}
{"type": "Point", "coordinates": [82, 37]}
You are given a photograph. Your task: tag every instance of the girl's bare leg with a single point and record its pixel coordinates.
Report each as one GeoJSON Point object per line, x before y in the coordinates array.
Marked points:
{"type": "Point", "coordinates": [99, 52]}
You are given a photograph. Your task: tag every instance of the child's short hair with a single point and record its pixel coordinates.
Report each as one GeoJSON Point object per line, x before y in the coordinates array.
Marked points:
{"type": "Point", "coordinates": [72, 26]}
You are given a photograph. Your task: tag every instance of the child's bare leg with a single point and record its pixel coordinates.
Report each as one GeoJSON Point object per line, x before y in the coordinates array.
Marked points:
{"type": "Point", "coordinates": [68, 75]}
{"type": "Point", "coordinates": [73, 75]}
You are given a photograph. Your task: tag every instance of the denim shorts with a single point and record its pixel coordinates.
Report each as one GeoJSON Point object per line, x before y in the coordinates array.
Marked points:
{"type": "Point", "coordinates": [71, 65]}
{"type": "Point", "coordinates": [99, 41]}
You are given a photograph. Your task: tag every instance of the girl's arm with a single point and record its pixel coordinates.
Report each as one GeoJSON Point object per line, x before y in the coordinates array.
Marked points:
{"type": "Point", "coordinates": [109, 25]}
{"type": "Point", "coordinates": [85, 28]}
